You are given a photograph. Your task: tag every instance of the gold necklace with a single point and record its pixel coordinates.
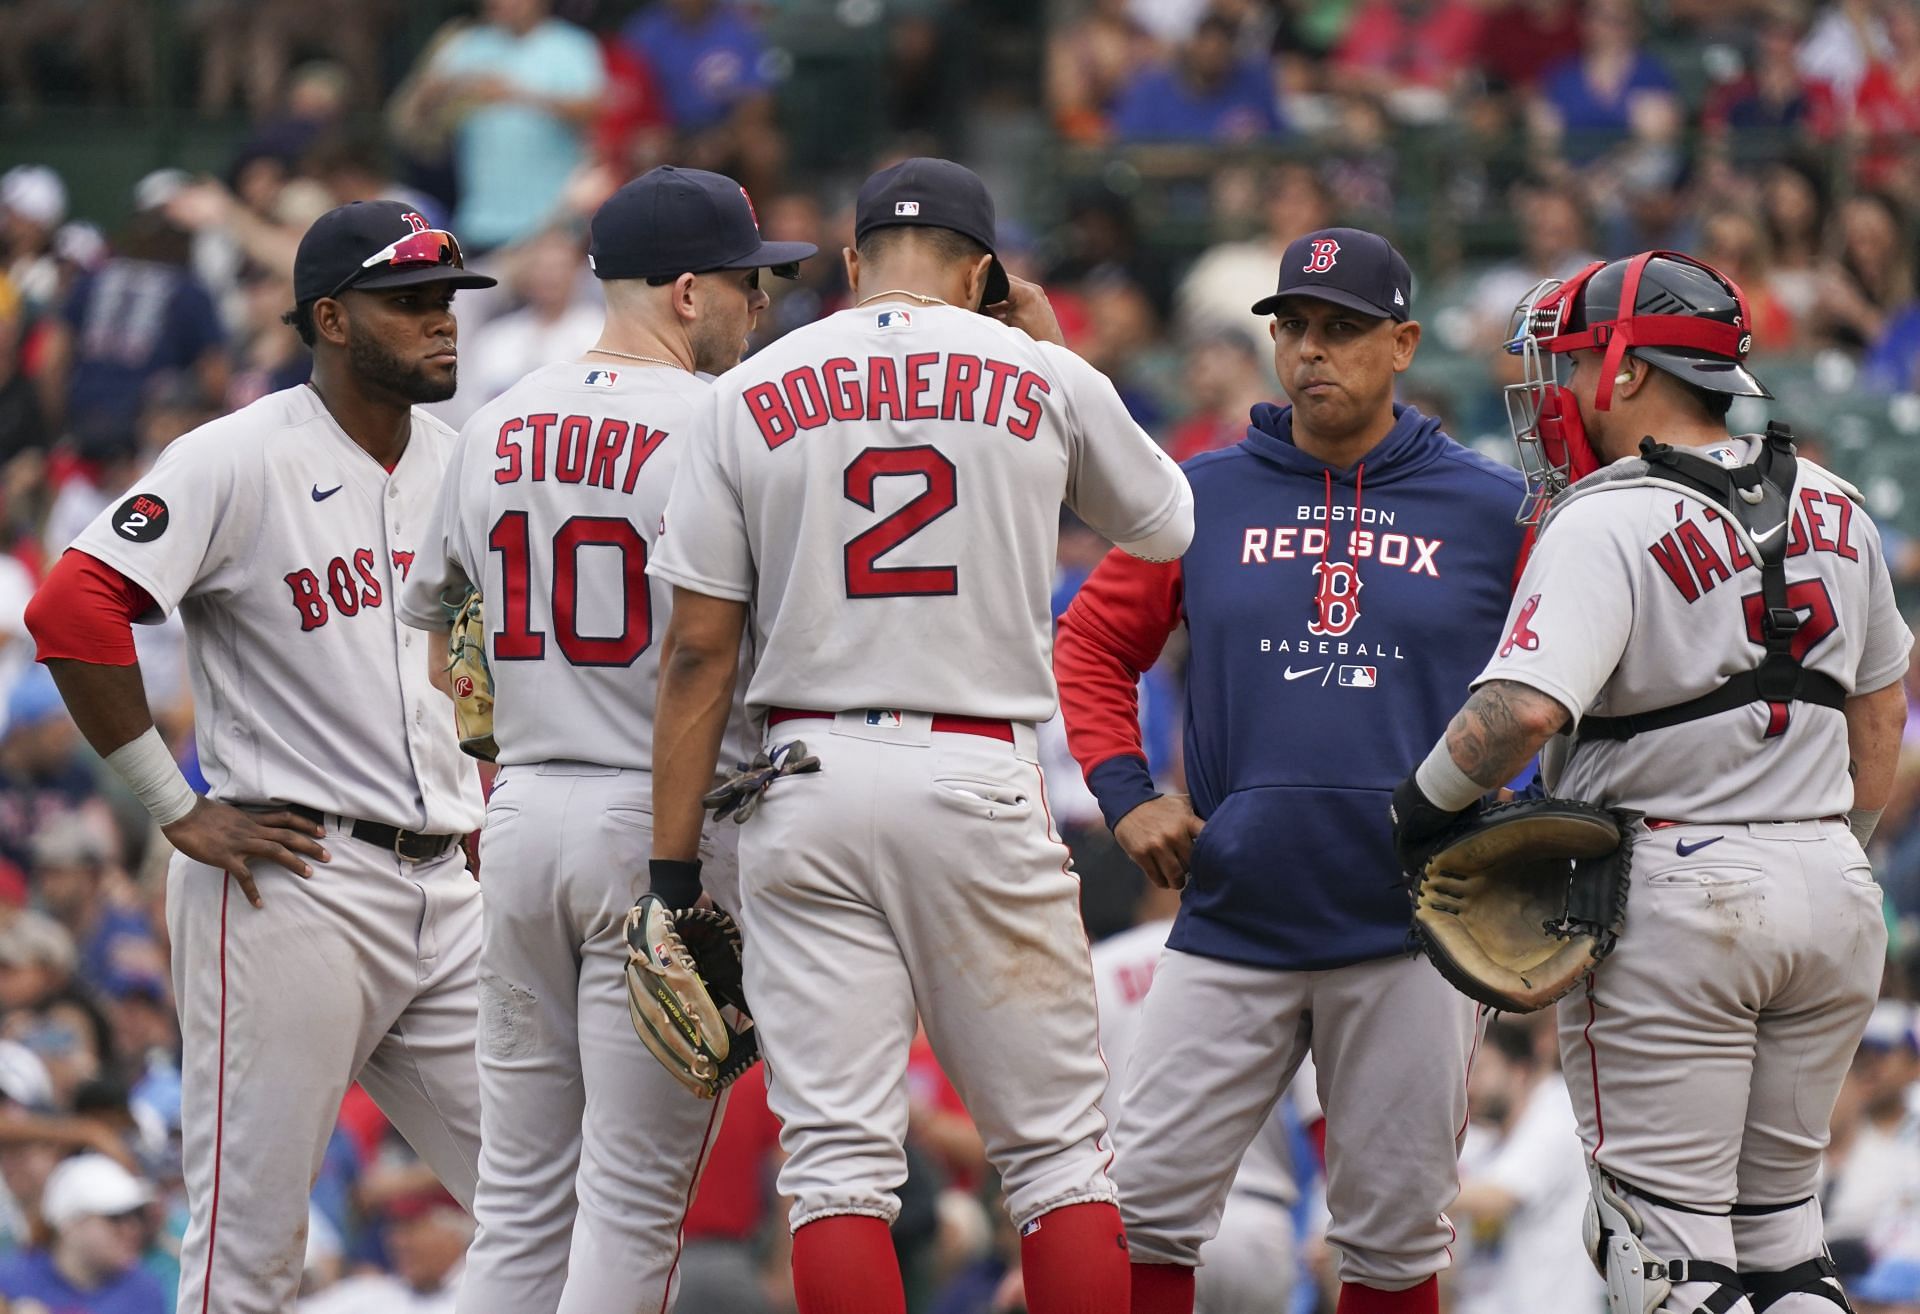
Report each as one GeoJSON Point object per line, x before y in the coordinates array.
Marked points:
{"type": "Point", "coordinates": [628, 355]}
{"type": "Point", "coordinates": [902, 292]}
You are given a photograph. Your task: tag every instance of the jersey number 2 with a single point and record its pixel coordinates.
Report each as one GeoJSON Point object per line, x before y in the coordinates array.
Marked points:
{"type": "Point", "coordinates": [865, 578]}
{"type": "Point", "coordinates": [517, 640]}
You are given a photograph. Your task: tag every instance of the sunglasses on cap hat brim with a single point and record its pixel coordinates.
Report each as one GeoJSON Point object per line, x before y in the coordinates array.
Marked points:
{"type": "Point", "coordinates": [431, 255]}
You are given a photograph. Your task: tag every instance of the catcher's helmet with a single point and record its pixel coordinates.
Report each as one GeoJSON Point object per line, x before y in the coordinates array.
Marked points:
{"type": "Point", "coordinates": [1667, 289]}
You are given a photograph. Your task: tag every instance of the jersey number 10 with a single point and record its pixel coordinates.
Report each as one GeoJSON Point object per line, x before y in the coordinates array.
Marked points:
{"type": "Point", "coordinates": [517, 640]}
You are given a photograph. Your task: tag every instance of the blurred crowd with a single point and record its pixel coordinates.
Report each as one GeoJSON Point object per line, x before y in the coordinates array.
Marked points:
{"type": "Point", "coordinates": [1182, 144]}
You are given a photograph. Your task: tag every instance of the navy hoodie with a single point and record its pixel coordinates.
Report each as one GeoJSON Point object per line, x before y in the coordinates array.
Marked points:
{"type": "Point", "coordinates": [1322, 669]}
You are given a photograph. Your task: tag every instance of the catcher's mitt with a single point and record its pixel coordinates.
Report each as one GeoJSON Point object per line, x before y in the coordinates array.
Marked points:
{"type": "Point", "coordinates": [683, 979]}
{"type": "Point", "coordinates": [1521, 901]}
{"type": "Point", "coordinates": [471, 679]}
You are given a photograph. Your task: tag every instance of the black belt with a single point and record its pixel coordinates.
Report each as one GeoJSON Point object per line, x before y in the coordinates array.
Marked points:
{"type": "Point", "coordinates": [411, 845]}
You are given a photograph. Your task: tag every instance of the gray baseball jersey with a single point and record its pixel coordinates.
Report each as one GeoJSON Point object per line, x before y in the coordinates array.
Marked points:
{"type": "Point", "coordinates": [888, 480]}
{"type": "Point", "coordinates": [1641, 595]}
{"type": "Point", "coordinates": [282, 544]}
{"type": "Point", "coordinates": [552, 504]}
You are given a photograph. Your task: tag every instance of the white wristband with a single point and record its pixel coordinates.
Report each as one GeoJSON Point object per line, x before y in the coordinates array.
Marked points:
{"type": "Point", "coordinates": [1446, 786]}
{"type": "Point", "coordinates": [1861, 822]}
{"type": "Point", "coordinates": [153, 776]}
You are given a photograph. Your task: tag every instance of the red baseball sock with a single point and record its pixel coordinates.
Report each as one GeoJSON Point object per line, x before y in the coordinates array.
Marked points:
{"type": "Point", "coordinates": [845, 1264]}
{"type": "Point", "coordinates": [1074, 1261]}
{"type": "Point", "coordinates": [1162, 1289]}
{"type": "Point", "coordinates": [1421, 1299]}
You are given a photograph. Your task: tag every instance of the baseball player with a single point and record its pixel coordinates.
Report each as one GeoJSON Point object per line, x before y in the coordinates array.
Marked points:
{"type": "Point", "coordinates": [1349, 560]}
{"type": "Point", "coordinates": [1705, 635]}
{"type": "Point", "coordinates": [883, 490]}
{"type": "Point", "coordinates": [551, 504]}
{"type": "Point", "coordinates": [324, 926]}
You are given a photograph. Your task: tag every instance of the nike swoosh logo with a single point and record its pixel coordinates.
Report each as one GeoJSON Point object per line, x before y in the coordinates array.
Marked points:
{"type": "Point", "coordinates": [1687, 850]}
{"type": "Point", "coordinates": [319, 496]}
{"type": "Point", "coordinates": [1761, 538]}
{"type": "Point", "coordinates": [1292, 674]}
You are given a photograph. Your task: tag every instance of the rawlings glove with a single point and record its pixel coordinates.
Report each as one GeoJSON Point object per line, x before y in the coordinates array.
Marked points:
{"type": "Point", "coordinates": [471, 679]}
{"type": "Point", "coordinates": [684, 994]}
{"type": "Point", "coordinates": [1518, 903]}
{"type": "Point", "coordinates": [739, 797]}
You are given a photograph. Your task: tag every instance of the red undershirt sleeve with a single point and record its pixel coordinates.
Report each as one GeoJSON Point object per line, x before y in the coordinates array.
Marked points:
{"type": "Point", "coordinates": [84, 611]}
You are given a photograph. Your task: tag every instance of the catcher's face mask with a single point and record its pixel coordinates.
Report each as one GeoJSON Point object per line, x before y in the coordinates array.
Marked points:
{"type": "Point", "coordinates": [1547, 429]}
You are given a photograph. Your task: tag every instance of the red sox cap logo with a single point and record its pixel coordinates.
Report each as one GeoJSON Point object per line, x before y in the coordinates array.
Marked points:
{"type": "Point", "coordinates": [1523, 637]}
{"type": "Point", "coordinates": [752, 213]}
{"type": "Point", "coordinates": [416, 222]}
{"type": "Point", "coordinates": [1325, 252]}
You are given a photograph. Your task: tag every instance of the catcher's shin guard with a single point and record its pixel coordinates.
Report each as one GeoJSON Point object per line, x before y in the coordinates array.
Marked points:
{"type": "Point", "coordinates": [1637, 1279]}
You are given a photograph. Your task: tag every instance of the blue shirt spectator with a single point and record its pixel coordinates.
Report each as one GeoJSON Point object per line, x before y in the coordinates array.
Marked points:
{"type": "Point", "coordinates": [536, 81]}
{"type": "Point", "coordinates": [1890, 363]}
{"type": "Point", "coordinates": [97, 1214]}
{"type": "Point", "coordinates": [31, 1275]}
{"type": "Point", "coordinates": [1207, 94]}
{"type": "Point", "coordinates": [134, 320]}
{"type": "Point", "coordinates": [705, 54]}
{"type": "Point", "coordinates": [1586, 109]}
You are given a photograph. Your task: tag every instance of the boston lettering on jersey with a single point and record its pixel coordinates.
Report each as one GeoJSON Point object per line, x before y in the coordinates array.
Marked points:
{"type": "Point", "coordinates": [1823, 522]}
{"type": "Point", "coordinates": [573, 449]}
{"type": "Point", "coordinates": [348, 582]}
{"type": "Point", "coordinates": [926, 385]}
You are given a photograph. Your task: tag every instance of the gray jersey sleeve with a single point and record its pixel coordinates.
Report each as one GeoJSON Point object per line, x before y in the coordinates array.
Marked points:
{"type": "Point", "coordinates": [1573, 610]}
{"type": "Point", "coordinates": [1883, 657]}
{"type": "Point", "coordinates": [441, 569]}
{"type": "Point", "coordinates": [185, 527]}
{"type": "Point", "coordinates": [1118, 479]}
{"type": "Point", "coordinates": [703, 545]}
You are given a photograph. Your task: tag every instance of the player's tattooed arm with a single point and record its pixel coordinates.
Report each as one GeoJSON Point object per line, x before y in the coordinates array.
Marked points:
{"type": "Point", "coordinates": [1501, 727]}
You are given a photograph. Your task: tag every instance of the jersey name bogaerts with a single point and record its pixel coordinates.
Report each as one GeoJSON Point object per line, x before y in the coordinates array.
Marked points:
{"type": "Point", "coordinates": [1640, 596]}
{"type": "Point", "coordinates": [885, 488]}
{"type": "Point", "coordinates": [284, 545]}
{"type": "Point", "coordinates": [552, 505]}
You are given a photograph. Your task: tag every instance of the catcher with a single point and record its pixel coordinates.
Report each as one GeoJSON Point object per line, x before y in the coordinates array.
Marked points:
{"type": "Point", "coordinates": [1706, 646]}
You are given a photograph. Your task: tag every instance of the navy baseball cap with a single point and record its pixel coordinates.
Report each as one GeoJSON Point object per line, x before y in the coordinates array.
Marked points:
{"type": "Point", "coordinates": [669, 222]}
{"type": "Point", "coordinates": [1349, 267]}
{"type": "Point", "coordinates": [376, 244]}
{"type": "Point", "coordinates": [925, 192]}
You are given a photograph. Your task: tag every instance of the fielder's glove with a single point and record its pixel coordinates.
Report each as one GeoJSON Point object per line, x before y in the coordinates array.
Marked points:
{"type": "Point", "coordinates": [739, 797]}
{"type": "Point", "coordinates": [1518, 903]}
{"type": "Point", "coordinates": [471, 679]}
{"type": "Point", "coordinates": [685, 996]}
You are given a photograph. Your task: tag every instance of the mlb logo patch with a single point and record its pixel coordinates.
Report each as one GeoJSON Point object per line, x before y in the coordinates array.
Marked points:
{"type": "Point", "coordinates": [885, 718]}
{"type": "Point", "coordinates": [895, 319]}
{"type": "Point", "coordinates": [601, 378]}
{"type": "Point", "coordinates": [906, 209]}
{"type": "Point", "coordinates": [1359, 677]}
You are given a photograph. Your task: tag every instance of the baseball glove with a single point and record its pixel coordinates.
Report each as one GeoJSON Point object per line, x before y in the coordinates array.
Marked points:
{"type": "Point", "coordinates": [1521, 901]}
{"type": "Point", "coordinates": [683, 980]}
{"type": "Point", "coordinates": [471, 679]}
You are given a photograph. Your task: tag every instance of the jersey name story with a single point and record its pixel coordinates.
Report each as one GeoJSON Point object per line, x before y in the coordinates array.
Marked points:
{"type": "Point", "coordinates": [604, 451]}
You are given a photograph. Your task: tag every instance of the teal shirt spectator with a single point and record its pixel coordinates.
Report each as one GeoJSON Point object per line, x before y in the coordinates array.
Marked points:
{"type": "Point", "coordinates": [513, 159]}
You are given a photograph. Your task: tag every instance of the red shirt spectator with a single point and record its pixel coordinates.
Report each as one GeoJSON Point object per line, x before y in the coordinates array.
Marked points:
{"type": "Point", "coordinates": [732, 1200]}
{"type": "Point", "coordinates": [1410, 43]}
{"type": "Point", "coordinates": [1525, 36]}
